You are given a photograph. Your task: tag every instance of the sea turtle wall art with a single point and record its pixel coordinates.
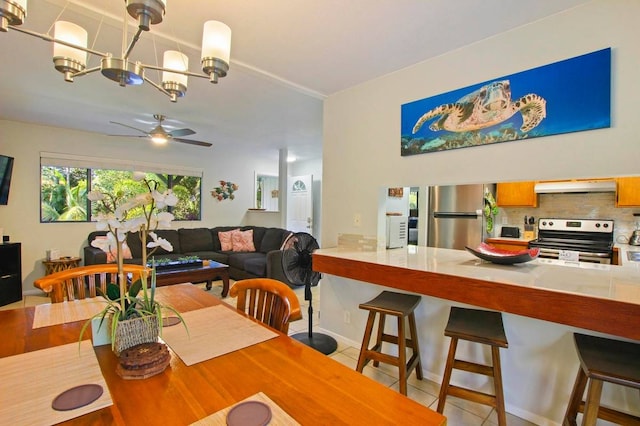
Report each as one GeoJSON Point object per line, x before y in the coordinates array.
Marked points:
{"type": "Point", "coordinates": [548, 100]}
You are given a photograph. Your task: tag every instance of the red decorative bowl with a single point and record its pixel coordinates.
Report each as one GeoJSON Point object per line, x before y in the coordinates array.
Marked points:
{"type": "Point", "coordinates": [504, 257]}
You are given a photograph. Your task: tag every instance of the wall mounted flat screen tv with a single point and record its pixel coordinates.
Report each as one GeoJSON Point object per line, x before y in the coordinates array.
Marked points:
{"type": "Point", "coordinates": [6, 167]}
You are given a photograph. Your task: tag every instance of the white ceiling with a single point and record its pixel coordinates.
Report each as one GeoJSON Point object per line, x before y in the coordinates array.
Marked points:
{"type": "Point", "coordinates": [286, 57]}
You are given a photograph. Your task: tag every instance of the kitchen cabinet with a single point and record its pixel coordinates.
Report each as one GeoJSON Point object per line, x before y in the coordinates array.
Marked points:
{"type": "Point", "coordinates": [516, 194]}
{"type": "Point", "coordinates": [628, 192]}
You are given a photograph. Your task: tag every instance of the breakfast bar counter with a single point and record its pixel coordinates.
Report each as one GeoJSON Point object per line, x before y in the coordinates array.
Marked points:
{"type": "Point", "coordinates": [598, 297]}
{"type": "Point", "coordinates": [543, 303]}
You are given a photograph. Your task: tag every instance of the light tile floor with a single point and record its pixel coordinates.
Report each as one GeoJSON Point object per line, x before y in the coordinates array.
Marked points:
{"type": "Point", "coordinates": [458, 412]}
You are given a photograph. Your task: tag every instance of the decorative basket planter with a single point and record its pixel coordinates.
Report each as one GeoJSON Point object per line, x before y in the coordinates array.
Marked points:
{"type": "Point", "coordinates": [136, 331]}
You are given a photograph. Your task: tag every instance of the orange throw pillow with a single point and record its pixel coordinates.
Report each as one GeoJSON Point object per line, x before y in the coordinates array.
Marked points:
{"type": "Point", "coordinates": [225, 239]}
{"type": "Point", "coordinates": [243, 240]}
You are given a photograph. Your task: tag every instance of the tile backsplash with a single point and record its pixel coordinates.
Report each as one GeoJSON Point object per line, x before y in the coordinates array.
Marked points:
{"type": "Point", "coordinates": [599, 205]}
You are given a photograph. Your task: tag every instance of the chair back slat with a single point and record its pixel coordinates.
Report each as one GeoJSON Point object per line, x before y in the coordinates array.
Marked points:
{"type": "Point", "coordinates": [269, 301]}
{"type": "Point", "coordinates": [79, 288]}
{"type": "Point", "coordinates": [76, 283]}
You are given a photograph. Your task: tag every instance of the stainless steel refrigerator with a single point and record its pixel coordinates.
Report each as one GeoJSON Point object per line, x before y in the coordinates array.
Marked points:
{"type": "Point", "coordinates": [455, 216]}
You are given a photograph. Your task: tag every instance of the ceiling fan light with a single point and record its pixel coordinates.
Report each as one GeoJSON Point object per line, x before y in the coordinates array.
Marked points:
{"type": "Point", "coordinates": [216, 49]}
{"type": "Point", "coordinates": [172, 82]}
{"type": "Point", "coordinates": [159, 139]}
{"type": "Point", "coordinates": [12, 12]}
{"type": "Point", "coordinates": [67, 59]}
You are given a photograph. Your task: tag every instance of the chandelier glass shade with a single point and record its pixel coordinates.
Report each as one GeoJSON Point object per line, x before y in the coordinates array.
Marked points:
{"type": "Point", "coordinates": [69, 60]}
{"type": "Point", "coordinates": [172, 81]}
{"type": "Point", "coordinates": [70, 49]}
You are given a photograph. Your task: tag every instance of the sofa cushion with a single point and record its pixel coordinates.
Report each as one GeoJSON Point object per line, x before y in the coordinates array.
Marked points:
{"type": "Point", "coordinates": [171, 235]}
{"type": "Point", "coordinates": [256, 266]}
{"type": "Point", "coordinates": [238, 259]}
{"type": "Point", "coordinates": [273, 239]}
{"type": "Point", "coordinates": [242, 240]}
{"type": "Point", "coordinates": [195, 239]}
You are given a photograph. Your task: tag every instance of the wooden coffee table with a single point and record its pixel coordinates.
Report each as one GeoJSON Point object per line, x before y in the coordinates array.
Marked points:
{"type": "Point", "coordinates": [205, 273]}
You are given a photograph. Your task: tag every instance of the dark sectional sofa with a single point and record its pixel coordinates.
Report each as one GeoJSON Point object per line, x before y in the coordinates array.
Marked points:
{"type": "Point", "coordinates": [265, 261]}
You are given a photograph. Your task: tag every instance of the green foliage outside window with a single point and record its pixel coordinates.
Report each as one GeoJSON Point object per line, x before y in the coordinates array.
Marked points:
{"type": "Point", "coordinates": [63, 192]}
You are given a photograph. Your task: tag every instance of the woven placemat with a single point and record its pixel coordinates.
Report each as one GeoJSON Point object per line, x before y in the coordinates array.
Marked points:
{"type": "Point", "coordinates": [214, 331]}
{"type": "Point", "coordinates": [278, 415]}
{"type": "Point", "coordinates": [31, 381]}
{"type": "Point", "coordinates": [61, 313]}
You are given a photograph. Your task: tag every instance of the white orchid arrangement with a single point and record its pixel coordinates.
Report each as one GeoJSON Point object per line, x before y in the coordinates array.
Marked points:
{"type": "Point", "coordinates": [115, 217]}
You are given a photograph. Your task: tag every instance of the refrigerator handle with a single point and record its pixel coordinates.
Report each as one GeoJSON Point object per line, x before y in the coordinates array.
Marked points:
{"type": "Point", "coordinates": [457, 215]}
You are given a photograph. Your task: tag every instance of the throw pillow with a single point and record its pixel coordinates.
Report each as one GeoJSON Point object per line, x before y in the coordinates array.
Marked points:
{"type": "Point", "coordinates": [243, 241]}
{"type": "Point", "coordinates": [288, 242]}
{"type": "Point", "coordinates": [225, 239]}
{"type": "Point", "coordinates": [112, 254]}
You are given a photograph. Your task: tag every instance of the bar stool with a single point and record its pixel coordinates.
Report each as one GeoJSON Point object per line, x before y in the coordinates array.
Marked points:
{"type": "Point", "coordinates": [477, 326]}
{"type": "Point", "coordinates": [602, 360]}
{"type": "Point", "coordinates": [401, 306]}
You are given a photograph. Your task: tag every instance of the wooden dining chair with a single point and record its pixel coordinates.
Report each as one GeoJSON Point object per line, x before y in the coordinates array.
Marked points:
{"type": "Point", "coordinates": [83, 281]}
{"type": "Point", "coordinates": [267, 300]}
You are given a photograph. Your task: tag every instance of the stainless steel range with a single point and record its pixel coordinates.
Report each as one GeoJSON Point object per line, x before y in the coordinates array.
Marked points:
{"type": "Point", "coordinates": [591, 239]}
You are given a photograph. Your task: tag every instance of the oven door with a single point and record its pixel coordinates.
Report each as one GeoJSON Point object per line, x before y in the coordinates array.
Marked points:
{"type": "Point", "coordinates": [551, 253]}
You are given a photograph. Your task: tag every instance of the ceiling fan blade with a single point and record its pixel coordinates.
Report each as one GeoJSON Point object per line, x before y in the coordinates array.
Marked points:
{"type": "Point", "coordinates": [192, 142]}
{"type": "Point", "coordinates": [130, 136]}
{"type": "Point", "coordinates": [181, 132]}
{"type": "Point", "coordinates": [130, 127]}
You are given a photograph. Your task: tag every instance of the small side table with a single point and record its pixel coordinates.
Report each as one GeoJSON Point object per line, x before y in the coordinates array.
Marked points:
{"type": "Point", "coordinates": [61, 264]}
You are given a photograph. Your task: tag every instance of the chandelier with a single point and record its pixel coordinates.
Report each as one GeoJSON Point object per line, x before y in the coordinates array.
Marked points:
{"type": "Point", "coordinates": [70, 49]}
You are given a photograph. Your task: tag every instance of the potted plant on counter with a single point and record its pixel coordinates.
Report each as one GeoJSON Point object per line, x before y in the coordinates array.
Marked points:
{"type": "Point", "coordinates": [133, 317]}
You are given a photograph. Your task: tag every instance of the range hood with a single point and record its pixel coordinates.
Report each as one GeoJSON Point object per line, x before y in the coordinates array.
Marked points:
{"type": "Point", "coordinates": [575, 186]}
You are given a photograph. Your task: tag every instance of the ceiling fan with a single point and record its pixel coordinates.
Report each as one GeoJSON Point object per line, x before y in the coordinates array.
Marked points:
{"type": "Point", "coordinates": [160, 136]}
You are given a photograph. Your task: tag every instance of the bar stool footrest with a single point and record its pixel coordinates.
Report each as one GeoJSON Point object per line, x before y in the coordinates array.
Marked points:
{"type": "Point", "coordinates": [472, 395]}
{"type": "Point", "coordinates": [375, 356]}
{"type": "Point", "coordinates": [473, 367]}
{"type": "Point", "coordinates": [614, 416]}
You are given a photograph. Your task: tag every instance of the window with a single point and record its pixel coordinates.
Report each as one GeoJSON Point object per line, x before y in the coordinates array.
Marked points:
{"type": "Point", "coordinates": [63, 194]}
{"type": "Point", "coordinates": [63, 190]}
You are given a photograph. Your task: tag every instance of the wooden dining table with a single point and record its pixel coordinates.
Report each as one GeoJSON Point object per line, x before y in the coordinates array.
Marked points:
{"type": "Point", "coordinates": [309, 386]}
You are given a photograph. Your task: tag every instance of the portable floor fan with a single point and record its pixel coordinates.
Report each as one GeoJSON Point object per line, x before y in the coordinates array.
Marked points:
{"type": "Point", "coordinates": [297, 265]}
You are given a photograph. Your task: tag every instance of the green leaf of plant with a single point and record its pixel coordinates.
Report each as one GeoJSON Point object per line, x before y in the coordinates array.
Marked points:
{"type": "Point", "coordinates": [135, 288]}
{"type": "Point", "coordinates": [113, 291]}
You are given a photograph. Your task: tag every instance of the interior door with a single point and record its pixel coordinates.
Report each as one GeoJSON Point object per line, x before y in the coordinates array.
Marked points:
{"type": "Point", "coordinates": [300, 204]}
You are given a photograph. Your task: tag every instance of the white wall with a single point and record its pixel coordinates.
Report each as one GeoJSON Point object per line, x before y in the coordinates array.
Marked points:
{"type": "Point", "coordinates": [362, 155]}
{"type": "Point", "coordinates": [21, 217]}
{"type": "Point", "coordinates": [361, 150]}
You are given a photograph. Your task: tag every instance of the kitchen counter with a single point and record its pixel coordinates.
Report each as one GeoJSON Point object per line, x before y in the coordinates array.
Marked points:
{"type": "Point", "coordinates": [543, 303]}
{"type": "Point", "coordinates": [598, 297]}
{"type": "Point", "coordinates": [622, 254]}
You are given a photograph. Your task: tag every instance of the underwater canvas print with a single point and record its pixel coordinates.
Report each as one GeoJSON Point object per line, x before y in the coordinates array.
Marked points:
{"type": "Point", "coordinates": [566, 96]}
